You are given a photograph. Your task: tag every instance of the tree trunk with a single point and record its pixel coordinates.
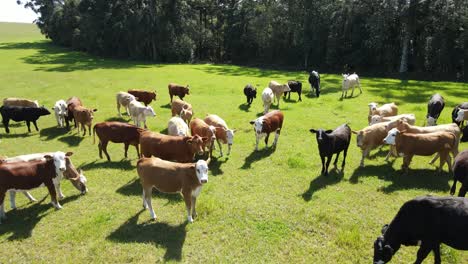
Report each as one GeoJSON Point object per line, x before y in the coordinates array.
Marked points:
{"type": "Point", "coordinates": [404, 51]}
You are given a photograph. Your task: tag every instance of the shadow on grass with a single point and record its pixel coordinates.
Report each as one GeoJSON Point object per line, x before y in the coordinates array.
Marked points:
{"type": "Point", "coordinates": [16, 135]}
{"type": "Point", "coordinates": [321, 181]}
{"type": "Point", "coordinates": [244, 107]}
{"type": "Point", "coordinates": [256, 156]}
{"type": "Point", "coordinates": [52, 132]}
{"type": "Point", "coordinates": [160, 234]}
{"type": "Point", "coordinates": [215, 165]}
{"type": "Point", "coordinates": [121, 165]}
{"type": "Point", "coordinates": [118, 119]}
{"type": "Point", "coordinates": [21, 222]}
{"type": "Point", "coordinates": [233, 70]}
{"type": "Point", "coordinates": [133, 187]}
{"type": "Point", "coordinates": [167, 106]}
{"type": "Point", "coordinates": [72, 140]}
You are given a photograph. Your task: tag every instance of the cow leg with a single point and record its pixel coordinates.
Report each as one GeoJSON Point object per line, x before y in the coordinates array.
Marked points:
{"type": "Point", "coordinates": [125, 149]}
{"type": "Point", "coordinates": [59, 190]}
{"type": "Point", "coordinates": [143, 198]}
{"type": "Point", "coordinates": [352, 92]}
{"type": "Point", "coordinates": [84, 129]}
{"type": "Point", "coordinates": [300, 99]}
{"type": "Point", "coordinates": [436, 250]}
{"type": "Point", "coordinates": [100, 149]}
{"type": "Point", "coordinates": [28, 123]}
{"type": "Point", "coordinates": [35, 125]}
{"type": "Point", "coordinates": [257, 138]}
{"type": "Point", "coordinates": [365, 152]}
{"type": "Point", "coordinates": [53, 195]}
{"type": "Point", "coordinates": [104, 148]}
{"type": "Point", "coordinates": [29, 196]}
{"type": "Point", "coordinates": [406, 162]}
{"type": "Point", "coordinates": [57, 117]}
{"type": "Point", "coordinates": [6, 121]}
{"type": "Point", "coordinates": [144, 122]}
{"type": "Point", "coordinates": [188, 205]}
{"type": "Point", "coordinates": [323, 164]}
{"type": "Point", "coordinates": [359, 86]}
{"type": "Point", "coordinates": [118, 108]}
{"type": "Point", "coordinates": [434, 159]}
{"type": "Point", "coordinates": [276, 137]}
{"type": "Point", "coordinates": [423, 251]}
{"type": "Point", "coordinates": [462, 191]}
{"type": "Point", "coordinates": [2, 208]}
{"type": "Point", "coordinates": [220, 148]}
{"type": "Point", "coordinates": [12, 199]}
{"type": "Point", "coordinates": [89, 129]}
{"type": "Point", "coordinates": [147, 193]}
{"type": "Point", "coordinates": [345, 152]}
{"type": "Point", "coordinates": [329, 158]}
{"type": "Point", "coordinates": [194, 211]}
{"type": "Point", "coordinates": [266, 139]}
{"type": "Point", "coordinates": [137, 150]}
{"type": "Point", "coordinates": [336, 159]}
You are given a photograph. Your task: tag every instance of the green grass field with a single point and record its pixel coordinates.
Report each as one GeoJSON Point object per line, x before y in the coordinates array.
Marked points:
{"type": "Point", "coordinates": [266, 206]}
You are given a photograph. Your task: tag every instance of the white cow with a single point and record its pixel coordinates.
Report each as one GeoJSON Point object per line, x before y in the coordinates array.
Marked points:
{"type": "Point", "coordinates": [124, 99]}
{"type": "Point", "coordinates": [409, 118]}
{"type": "Point", "coordinates": [60, 109]}
{"type": "Point", "coordinates": [177, 127]}
{"type": "Point", "coordinates": [350, 81]}
{"type": "Point", "coordinates": [267, 98]}
{"type": "Point", "coordinates": [139, 112]}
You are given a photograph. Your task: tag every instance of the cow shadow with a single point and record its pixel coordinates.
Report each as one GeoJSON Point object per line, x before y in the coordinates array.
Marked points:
{"type": "Point", "coordinates": [16, 135]}
{"type": "Point", "coordinates": [133, 188]}
{"type": "Point", "coordinates": [215, 165]}
{"type": "Point", "coordinates": [321, 181]}
{"type": "Point", "coordinates": [71, 140]}
{"type": "Point", "coordinates": [164, 131]}
{"type": "Point", "coordinates": [118, 119]}
{"type": "Point", "coordinates": [124, 164]}
{"type": "Point", "coordinates": [256, 156]}
{"type": "Point", "coordinates": [159, 234]}
{"type": "Point", "coordinates": [291, 100]}
{"type": "Point", "coordinates": [167, 106]}
{"type": "Point", "coordinates": [52, 132]}
{"type": "Point", "coordinates": [244, 107]}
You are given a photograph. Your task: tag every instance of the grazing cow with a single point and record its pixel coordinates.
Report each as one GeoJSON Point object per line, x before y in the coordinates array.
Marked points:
{"type": "Point", "coordinates": [172, 177]}
{"type": "Point", "coordinates": [177, 127]}
{"type": "Point", "coordinates": [267, 98]}
{"type": "Point", "coordinates": [266, 124]}
{"type": "Point", "coordinates": [385, 110]}
{"type": "Point", "coordinates": [460, 173]}
{"type": "Point", "coordinates": [462, 115]}
{"type": "Point", "coordinates": [314, 80]}
{"type": "Point", "coordinates": [278, 89]}
{"type": "Point", "coordinates": [199, 127]}
{"type": "Point", "coordinates": [61, 112]}
{"type": "Point", "coordinates": [250, 92]}
{"type": "Point", "coordinates": [84, 117]}
{"type": "Point", "coordinates": [455, 113]}
{"type": "Point", "coordinates": [223, 133]}
{"type": "Point", "coordinates": [32, 174]}
{"type": "Point", "coordinates": [175, 148]}
{"type": "Point", "coordinates": [182, 109]}
{"type": "Point", "coordinates": [332, 142]}
{"type": "Point", "coordinates": [124, 99]}
{"type": "Point", "coordinates": [409, 145]}
{"type": "Point", "coordinates": [139, 112]}
{"type": "Point", "coordinates": [179, 90]}
{"type": "Point", "coordinates": [410, 118]}
{"type": "Point", "coordinates": [434, 107]}
{"type": "Point", "coordinates": [77, 178]}
{"type": "Point", "coordinates": [427, 221]}
{"type": "Point", "coordinates": [371, 137]}
{"type": "Point", "coordinates": [116, 132]}
{"type": "Point", "coordinates": [296, 87]}
{"type": "Point", "coordinates": [464, 137]}
{"type": "Point", "coordinates": [143, 96]}
{"type": "Point", "coordinates": [350, 81]}
{"type": "Point", "coordinates": [20, 102]}
{"type": "Point", "coordinates": [19, 113]}
{"type": "Point", "coordinates": [72, 102]}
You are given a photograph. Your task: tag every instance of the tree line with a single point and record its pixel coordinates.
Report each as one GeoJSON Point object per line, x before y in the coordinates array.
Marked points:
{"type": "Point", "coordinates": [428, 37]}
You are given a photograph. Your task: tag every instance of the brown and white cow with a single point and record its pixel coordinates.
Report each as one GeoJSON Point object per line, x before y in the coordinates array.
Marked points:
{"type": "Point", "coordinates": [371, 137]}
{"type": "Point", "coordinates": [177, 127]}
{"type": "Point", "coordinates": [409, 145]}
{"type": "Point", "coordinates": [174, 148]}
{"type": "Point", "coordinates": [11, 101]}
{"type": "Point", "coordinates": [278, 89]}
{"type": "Point", "coordinates": [390, 109]}
{"type": "Point", "coordinates": [84, 116]}
{"type": "Point", "coordinates": [72, 102]}
{"type": "Point", "coordinates": [223, 133]}
{"type": "Point", "coordinates": [117, 132]}
{"type": "Point", "coordinates": [199, 127]}
{"type": "Point", "coordinates": [143, 96]}
{"type": "Point", "coordinates": [124, 99]}
{"type": "Point", "coordinates": [410, 118]}
{"type": "Point", "coordinates": [172, 177]}
{"type": "Point", "coordinates": [182, 109]}
{"type": "Point", "coordinates": [179, 90]}
{"type": "Point", "coordinates": [269, 123]}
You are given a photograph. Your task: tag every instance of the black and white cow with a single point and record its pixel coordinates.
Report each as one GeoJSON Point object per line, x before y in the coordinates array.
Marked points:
{"type": "Point", "coordinates": [314, 80]}
{"type": "Point", "coordinates": [434, 108]}
{"type": "Point", "coordinates": [332, 142]}
{"type": "Point", "coordinates": [250, 92]}
{"type": "Point", "coordinates": [455, 111]}
{"type": "Point", "coordinates": [19, 113]}
{"type": "Point", "coordinates": [296, 86]}
{"type": "Point", "coordinates": [460, 173]}
{"type": "Point", "coordinates": [426, 221]}
{"type": "Point", "coordinates": [464, 137]}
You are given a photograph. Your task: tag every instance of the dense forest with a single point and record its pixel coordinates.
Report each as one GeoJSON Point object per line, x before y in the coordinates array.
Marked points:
{"type": "Point", "coordinates": [427, 37]}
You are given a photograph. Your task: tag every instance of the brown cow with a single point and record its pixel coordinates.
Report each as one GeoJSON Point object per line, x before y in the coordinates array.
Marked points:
{"type": "Point", "coordinates": [199, 127]}
{"type": "Point", "coordinates": [175, 148]}
{"type": "Point", "coordinates": [84, 116]}
{"type": "Point", "coordinates": [143, 96]}
{"type": "Point", "coordinates": [264, 125]}
{"type": "Point", "coordinates": [179, 90]}
{"type": "Point", "coordinates": [408, 145]}
{"type": "Point", "coordinates": [72, 102]}
{"type": "Point", "coordinates": [172, 177]}
{"type": "Point", "coordinates": [116, 132]}
{"type": "Point", "coordinates": [371, 137]}
{"type": "Point", "coordinates": [182, 109]}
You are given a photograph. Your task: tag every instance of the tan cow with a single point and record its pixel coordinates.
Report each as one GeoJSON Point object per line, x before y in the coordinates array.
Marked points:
{"type": "Point", "coordinates": [371, 137]}
{"type": "Point", "coordinates": [199, 127]}
{"type": "Point", "coordinates": [11, 101]}
{"type": "Point", "coordinates": [390, 109]}
{"type": "Point", "coordinates": [172, 177]}
{"type": "Point", "coordinates": [410, 118]}
{"type": "Point", "coordinates": [278, 89]}
{"type": "Point", "coordinates": [83, 116]}
{"type": "Point", "coordinates": [224, 135]}
{"type": "Point", "coordinates": [124, 99]}
{"type": "Point", "coordinates": [182, 109]}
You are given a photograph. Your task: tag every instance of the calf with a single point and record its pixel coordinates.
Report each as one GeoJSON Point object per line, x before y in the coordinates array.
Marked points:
{"type": "Point", "coordinates": [124, 99]}
{"type": "Point", "coordinates": [139, 112]}
{"type": "Point", "coordinates": [409, 145]}
{"type": "Point", "coordinates": [434, 108]}
{"type": "Point", "coordinates": [179, 90]}
{"type": "Point", "coordinates": [177, 127]}
{"type": "Point", "coordinates": [264, 125]}
{"type": "Point", "coordinates": [60, 109]}
{"type": "Point", "coordinates": [426, 221]}
{"type": "Point", "coordinates": [20, 102]}
{"type": "Point", "coordinates": [172, 177]}
{"type": "Point", "coordinates": [32, 174]}
{"type": "Point", "coordinates": [295, 86]}
{"type": "Point", "coordinates": [116, 132]}
{"type": "Point", "coordinates": [250, 92]}
{"type": "Point", "coordinates": [182, 109]}
{"type": "Point", "coordinates": [199, 127]}
{"type": "Point", "coordinates": [462, 115]}
{"type": "Point", "coordinates": [385, 110]}
{"type": "Point", "coordinates": [267, 98]}
{"type": "Point", "coordinates": [175, 148]}
{"type": "Point", "coordinates": [314, 80]}
{"type": "Point", "coordinates": [278, 89]}
{"type": "Point", "coordinates": [19, 113]}
{"type": "Point", "coordinates": [72, 102]}
{"type": "Point", "coordinates": [332, 142]}
{"type": "Point", "coordinates": [223, 133]}
{"type": "Point", "coordinates": [84, 117]}
{"type": "Point", "coordinates": [145, 97]}
{"type": "Point", "coordinates": [410, 118]}
{"type": "Point", "coordinates": [371, 137]}
{"type": "Point", "coordinates": [460, 173]}
{"type": "Point", "coordinates": [455, 111]}
{"type": "Point", "coordinates": [350, 81]}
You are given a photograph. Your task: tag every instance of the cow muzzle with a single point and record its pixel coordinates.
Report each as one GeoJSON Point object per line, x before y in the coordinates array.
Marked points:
{"type": "Point", "coordinates": [203, 181]}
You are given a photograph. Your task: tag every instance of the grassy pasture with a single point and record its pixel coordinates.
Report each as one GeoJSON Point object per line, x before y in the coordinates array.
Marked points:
{"type": "Point", "coordinates": [265, 206]}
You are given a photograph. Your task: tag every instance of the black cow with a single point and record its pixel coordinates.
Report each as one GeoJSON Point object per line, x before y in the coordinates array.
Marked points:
{"type": "Point", "coordinates": [434, 107]}
{"type": "Point", "coordinates": [427, 221]}
{"type": "Point", "coordinates": [19, 113]}
{"type": "Point", "coordinates": [296, 86]}
{"type": "Point", "coordinates": [331, 142]}
{"type": "Point", "coordinates": [464, 137]}
{"type": "Point", "coordinates": [250, 92]}
{"type": "Point", "coordinates": [460, 173]}
{"type": "Point", "coordinates": [314, 80]}
{"type": "Point", "coordinates": [455, 113]}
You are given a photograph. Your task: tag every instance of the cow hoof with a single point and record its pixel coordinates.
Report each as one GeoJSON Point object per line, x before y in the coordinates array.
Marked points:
{"type": "Point", "coordinates": [190, 219]}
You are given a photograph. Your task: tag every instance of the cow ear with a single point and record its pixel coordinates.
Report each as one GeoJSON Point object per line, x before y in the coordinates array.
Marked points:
{"type": "Point", "coordinates": [312, 130]}
{"type": "Point", "coordinates": [252, 122]}
{"type": "Point", "coordinates": [48, 157]}
{"type": "Point", "coordinates": [94, 110]}
{"type": "Point", "coordinates": [328, 131]}
{"type": "Point", "coordinates": [68, 154]}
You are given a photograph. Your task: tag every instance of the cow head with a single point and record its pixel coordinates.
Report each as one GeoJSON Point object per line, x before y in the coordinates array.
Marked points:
{"type": "Point", "coordinates": [464, 134]}
{"type": "Point", "coordinates": [196, 143]}
{"type": "Point", "coordinates": [254, 92]}
{"type": "Point", "coordinates": [152, 95]}
{"type": "Point", "coordinates": [372, 106]}
{"type": "Point", "coordinates": [201, 169]}
{"type": "Point", "coordinates": [186, 114]}
{"type": "Point", "coordinates": [258, 125]}
{"type": "Point", "coordinates": [383, 252]}
{"type": "Point", "coordinates": [148, 111]}
{"type": "Point", "coordinates": [59, 159]}
{"type": "Point", "coordinates": [431, 121]}
{"type": "Point", "coordinates": [77, 178]}
{"type": "Point", "coordinates": [286, 87]}
{"type": "Point", "coordinates": [401, 125]}
{"type": "Point", "coordinates": [42, 111]}
{"type": "Point", "coordinates": [375, 119]}
{"type": "Point", "coordinates": [321, 135]}
{"type": "Point", "coordinates": [461, 115]}
{"type": "Point", "coordinates": [391, 136]}
{"type": "Point", "coordinates": [187, 89]}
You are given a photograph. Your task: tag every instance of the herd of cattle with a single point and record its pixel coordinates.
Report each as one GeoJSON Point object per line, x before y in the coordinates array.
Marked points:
{"type": "Point", "coordinates": [172, 169]}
